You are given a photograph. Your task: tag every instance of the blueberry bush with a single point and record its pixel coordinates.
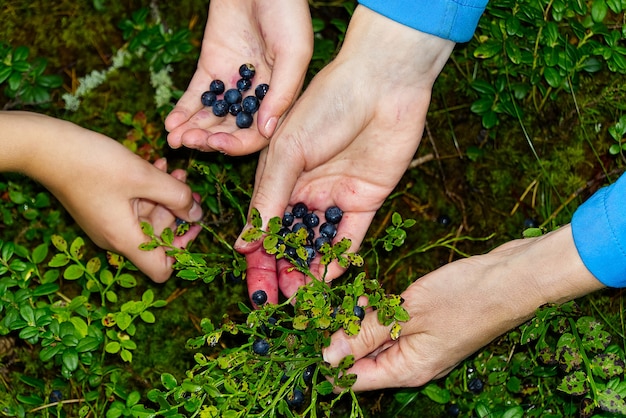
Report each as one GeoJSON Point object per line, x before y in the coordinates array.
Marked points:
{"type": "Point", "coordinates": [527, 120]}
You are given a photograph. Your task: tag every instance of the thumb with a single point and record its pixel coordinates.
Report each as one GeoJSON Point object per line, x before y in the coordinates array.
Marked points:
{"type": "Point", "coordinates": [175, 195]}
{"type": "Point", "coordinates": [370, 338]}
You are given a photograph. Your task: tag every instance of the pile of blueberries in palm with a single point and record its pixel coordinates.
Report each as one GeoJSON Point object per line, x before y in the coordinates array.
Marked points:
{"type": "Point", "coordinates": [232, 101]}
{"type": "Point", "coordinates": [301, 218]}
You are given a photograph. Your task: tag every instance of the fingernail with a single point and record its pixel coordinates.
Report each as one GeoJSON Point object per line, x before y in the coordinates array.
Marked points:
{"type": "Point", "coordinates": [336, 351]}
{"type": "Point", "coordinates": [270, 125]}
{"type": "Point", "coordinates": [195, 214]}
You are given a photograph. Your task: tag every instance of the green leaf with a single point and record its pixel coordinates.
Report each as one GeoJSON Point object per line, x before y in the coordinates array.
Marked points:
{"type": "Point", "coordinates": [77, 248]}
{"type": "Point", "coordinates": [488, 50]}
{"type": "Point", "coordinates": [255, 218]}
{"type": "Point", "coordinates": [59, 260]}
{"type": "Point", "coordinates": [128, 281]}
{"type": "Point", "coordinates": [88, 344]}
{"type": "Point", "coordinates": [112, 347]}
{"type": "Point", "coordinates": [574, 384]}
{"type": "Point", "coordinates": [39, 253]}
{"type": "Point", "coordinates": [324, 388]}
{"type": "Point", "coordinates": [599, 9]}
{"type": "Point", "coordinates": [73, 272]}
{"type": "Point", "coordinates": [93, 265]}
{"type": "Point", "coordinates": [436, 394]}
{"type": "Point", "coordinates": [123, 320]}
{"type": "Point", "coordinates": [611, 401]}
{"type": "Point", "coordinates": [45, 289]}
{"type": "Point", "coordinates": [70, 359]}
{"type": "Point", "coordinates": [168, 381]}
{"type": "Point", "coordinates": [127, 356]}
{"type": "Point", "coordinates": [553, 77]}
{"type": "Point", "coordinates": [147, 317]}
{"type": "Point", "coordinates": [148, 297]}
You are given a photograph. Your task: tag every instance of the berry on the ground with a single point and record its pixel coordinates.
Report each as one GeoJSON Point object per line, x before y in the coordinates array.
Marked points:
{"type": "Point", "coordinates": [475, 385]}
{"type": "Point", "coordinates": [259, 297]}
{"type": "Point", "coordinates": [247, 71]}
{"type": "Point", "coordinates": [333, 215]}
{"type": "Point", "coordinates": [295, 399]}
{"type": "Point", "coordinates": [250, 104]}
{"type": "Point", "coordinates": [208, 98]}
{"type": "Point", "coordinates": [261, 347]}
{"type": "Point", "coordinates": [217, 86]}
{"type": "Point", "coordinates": [232, 96]}
{"type": "Point", "coordinates": [299, 210]}
{"type": "Point", "coordinates": [261, 90]}
{"type": "Point", "coordinates": [220, 108]}
{"type": "Point", "coordinates": [243, 119]}
{"type": "Point", "coordinates": [444, 220]}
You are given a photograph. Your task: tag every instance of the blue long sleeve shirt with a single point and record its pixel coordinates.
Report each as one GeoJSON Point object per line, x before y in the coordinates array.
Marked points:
{"type": "Point", "coordinates": [598, 225]}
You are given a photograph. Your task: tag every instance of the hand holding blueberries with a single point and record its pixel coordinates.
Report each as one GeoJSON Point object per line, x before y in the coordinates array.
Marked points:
{"type": "Point", "coordinates": [461, 307]}
{"type": "Point", "coordinates": [338, 147]}
{"type": "Point", "coordinates": [276, 37]}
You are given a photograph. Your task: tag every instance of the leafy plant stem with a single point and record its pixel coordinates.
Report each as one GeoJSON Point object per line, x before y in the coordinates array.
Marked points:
{"type": "Point", "coordinates": [586, 361]}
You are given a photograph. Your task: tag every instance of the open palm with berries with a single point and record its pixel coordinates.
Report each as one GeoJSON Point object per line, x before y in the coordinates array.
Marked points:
{"type": "Point", "coordinates": [347, 141]}
{"type": "Point", "coordinates": [276, 37]}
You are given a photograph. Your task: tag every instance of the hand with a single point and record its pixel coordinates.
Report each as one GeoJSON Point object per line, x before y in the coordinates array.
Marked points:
{"type": "Point", "coordinates": [106, 188]}
{"type": "Point", "coordinates": [461, 307]}
{"type": "Point", "coordinates": [275, 36]}
{"type": "Point", "coordinates": [349, 138]}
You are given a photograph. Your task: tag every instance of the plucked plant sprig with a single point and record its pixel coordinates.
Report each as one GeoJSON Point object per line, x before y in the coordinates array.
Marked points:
{"type": "Point", "coordinates": [271, 364]}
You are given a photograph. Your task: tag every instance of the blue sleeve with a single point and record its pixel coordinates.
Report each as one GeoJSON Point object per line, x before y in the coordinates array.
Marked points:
{"type": "Point", "coordinates": [599, 229]}
{"type": "Point", "coordinates": [455, 20]}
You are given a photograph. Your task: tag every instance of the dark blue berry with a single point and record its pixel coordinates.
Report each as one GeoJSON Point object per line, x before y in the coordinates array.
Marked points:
{"type": "Point", "coordinates": [244, 120]}
{"type": "Point", "coordinates": [261, 347]}
{"type": "Point", "coordinates": [307, 375]}
{"type": "Point", "coordinates": [283, 231]}
{"type": "Point", "coordinates": [475, 385]}
{"type": "Point", "coordinates": [232, 96]}
{"type": "Point", "coordinates": [261, 90]}
{"type": "Point", "coordinates": [291, 252]}
{"type": "Point", "coordinates": [288, 219]}
{"type": "Point", "coordinates": [359, 312]}
{"type": "Point", "coordinates": [243, 84]}
{"type": "Point", "coordinates": [220, 108]}
{"type": "Point", "coordinates": [55, 396]}
{"type": "Point", "coordinates": [310, 251]}
{"type": "Point", "coordinates": [247, 71]}
{"type": "Point", "coordinates": [320, 241]}
{"type": "Point", "coordinates": [311, 220]}
{"type": "Point", "coordinates": [299, 210]}
{"type": "Point", "coordinates": [328, 230]}
{"type": "Point", "coordinates": [272, 321]}
{"type": "Point", "coordinates": [208, 98]}
{"type": "Point", "coordinates": [333, 215]}
{"type": "Point", "coordinates": [454, 410]}
{"type": "Point", "coordinates": [250, 104]}
{"type": "Point", "coordinates": [295, 399]}
{"type": "Point", "coordinates": [233, 278]}
{"type": "Point", "coordinates": [217, 86]}
{"type": "Point", "coordinates": [444, 220]}
{"type": "Point", "coordinates": [234, 109]}
{"type": "Point", "coordinates": [259, 297]}
{"type": "Point", "coordinates": [530, 223]}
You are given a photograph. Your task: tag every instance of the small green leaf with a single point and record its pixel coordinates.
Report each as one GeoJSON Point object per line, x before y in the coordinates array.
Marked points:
{"type": "Point", "coordinates": [70, 359]}
{"type": "Point", "coordinates": [112, 347]}
{"type": "Point", "coordinates": [324, 388]}
{"type": "Point", "coordinates": [147, 317]}
{"type": "Point", "coordinates": [77, 248]}
{"type": "Point", "coordinates": [436, 393]}
{"type": "Point", "coordinates": [168, 381]}
{"type": "Point", "coordinates": [128, 281]}
{"type": "Point", "coordinates": [40, 253]}
{"type": "Point", "coordinates": [73, 272]}
{"type": "Point", "coordinates": [59, 260]}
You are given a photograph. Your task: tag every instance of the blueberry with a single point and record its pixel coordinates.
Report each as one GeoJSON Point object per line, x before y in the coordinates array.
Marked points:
{"type": "Point", "coordinates": [299, 226]}
{"type": "Point", "coordinates": [208, 98]}
{"type": "Point", "coordinates": [530, 223]}
{"type": "Point", "coordinates": [250, 104]}
{"type": "Point", "coordinates": [307, 375]}
{"type": "Point", "coordinates": [243, 84]}
{"type": "Point", "coordinates": [333, 215]}
{"type": "Point", "coordinates": [454, 410]}
{"type": "Point", "coordinates": [311, 220]}
{"type": "Point", "coordinates": [288, 219]}
{"type": "Point", "coordinates": [283, 231]}
{"type": "Point", "coordinates": [320, 241]}
{"type": "Point", "coordinates": [295, 399]}
{"type": "Point", "coordinates": [291, 252]}
{"type": "Point", "coordinates": [299, 210]}
{"type": "Point", "coordinates": [232, 96]}
{"type": "Point", "coordinates": [261, 347]}
{"type": "Point", "coordinates": [217, 86]}
{"type": "Point", "coordinates": [444, 220]}
{"type": "Point", "coordinates": [310, 251]}
{"type": "Point", "coordinates": [261, 90]}
{"type": "Point", "coordinates": [272, 321]}
{"type": "Point", "coordinates": [247, 71]}
{"type": "Point", "coordinates": [475, 385]}
{"type": "Point", "coordinates": [259, 297]}
{"type": "Point", "coordinates": [220, 108]}
{"type": "Point", "coordinates": [234, 109]}
{"type": "Point", "coordinates": [359, 312]}
{"type": "Point", "coordinates": [244, 120]}
{"type": "Point", "coordinates": [55, 396]}
{"type": "Point", "coordinates": [328, 230]}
